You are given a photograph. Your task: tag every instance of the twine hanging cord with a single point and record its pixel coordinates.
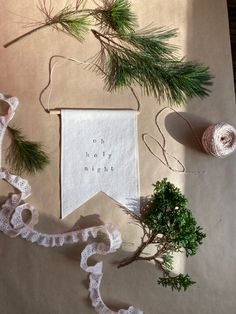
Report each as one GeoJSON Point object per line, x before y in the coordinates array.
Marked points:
{"type": "Point", "coordinates": [52, 68]}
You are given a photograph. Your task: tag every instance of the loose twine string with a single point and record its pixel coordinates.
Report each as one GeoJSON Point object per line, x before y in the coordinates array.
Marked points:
{"type": "Point", "coordinates": [166, 160]}
{"type": "Point", "coordinates": [162, 145]}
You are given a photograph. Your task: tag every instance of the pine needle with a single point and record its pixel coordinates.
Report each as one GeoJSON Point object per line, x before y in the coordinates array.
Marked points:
{"type": "Point", "coordinates": [23, 155]}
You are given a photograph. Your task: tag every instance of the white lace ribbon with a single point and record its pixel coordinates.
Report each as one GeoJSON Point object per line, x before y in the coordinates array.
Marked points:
{"type": "Point", "coordinates": [12, 224]}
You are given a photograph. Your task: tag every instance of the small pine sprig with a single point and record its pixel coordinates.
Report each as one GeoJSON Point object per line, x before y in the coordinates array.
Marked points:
{"type": "Point", "coordinates": [176, 283]}
{"type": "Point", "coordinates": [23, 155]}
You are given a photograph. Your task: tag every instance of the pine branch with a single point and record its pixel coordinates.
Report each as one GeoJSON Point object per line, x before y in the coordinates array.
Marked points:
{"type": "Point", "coordinates": [128, 57]}
{"type": "Point", "coordinates": [75, 19]}
{"type": "Point", "coordinates": [152, 64]}
{"type": "Point", "coordinates": [23, 155]}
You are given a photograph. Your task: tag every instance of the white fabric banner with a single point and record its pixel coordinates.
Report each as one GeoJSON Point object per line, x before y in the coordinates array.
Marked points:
{"type": "Point", "coordinates": [99, 152]}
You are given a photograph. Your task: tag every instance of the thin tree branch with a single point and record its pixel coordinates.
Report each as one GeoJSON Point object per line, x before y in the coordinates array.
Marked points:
{"type": "Point", "coordinates": [27, 34]}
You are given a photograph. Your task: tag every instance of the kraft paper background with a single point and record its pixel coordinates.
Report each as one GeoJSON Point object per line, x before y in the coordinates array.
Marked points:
{"type": "Point", "coordinates": [49, 281]}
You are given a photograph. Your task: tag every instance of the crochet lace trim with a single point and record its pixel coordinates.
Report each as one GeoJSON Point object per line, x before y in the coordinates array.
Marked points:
{"type": "Point", "coordinates": [12, 224]}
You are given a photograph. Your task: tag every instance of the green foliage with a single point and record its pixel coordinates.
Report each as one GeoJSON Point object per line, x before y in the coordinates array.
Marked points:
{"type": "Point", "coordinates": [128, 57]}
{"type": "Point", "coordinates": [25, 156]}
{"type": "Point", "coordinates": [69, 19]}
{"type": "Point", "coordinates": [169, 215]}
{"type": "Point", "coordinates": [116, 15]}
{"type": "Point", "coordinates": [167, 262]}
{"type": "Point", "coordinates": [154, 42]}
{"type": "Point", "coordinates": [146, 58]}
{"type": "Point", "coordinates": [176, 283]}
{"type": "Point", "coordinates": [169, 225]}
{"type": "Point", "coordinates": [151, 63]}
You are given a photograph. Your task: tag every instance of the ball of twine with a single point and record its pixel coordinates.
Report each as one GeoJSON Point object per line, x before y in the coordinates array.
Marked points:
{"type": "Point", "coordinates": [219, 140]}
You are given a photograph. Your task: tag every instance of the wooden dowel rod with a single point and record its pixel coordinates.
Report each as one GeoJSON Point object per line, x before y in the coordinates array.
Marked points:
{"type": "Point", "coordinates": [58, 111]}
{"type": "Point", "coordinates": [55, 111]}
